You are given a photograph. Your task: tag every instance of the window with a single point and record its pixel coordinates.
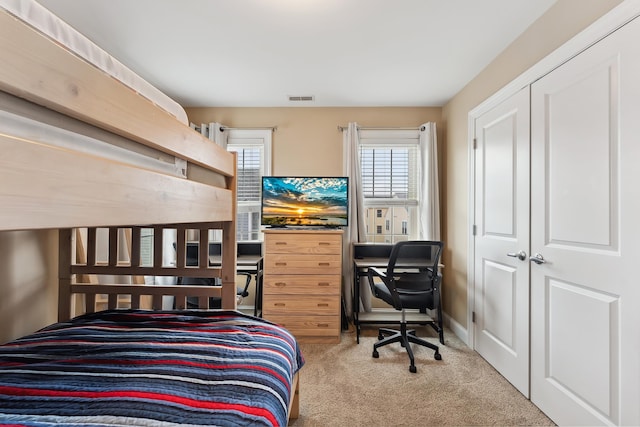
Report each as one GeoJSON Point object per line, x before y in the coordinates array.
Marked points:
{"type": "Point", "coordinates": [254, 160]}
{"type": "Point", "coordinates": [389, 162]}
{"type": "Point", "coordinates": [249, 173]}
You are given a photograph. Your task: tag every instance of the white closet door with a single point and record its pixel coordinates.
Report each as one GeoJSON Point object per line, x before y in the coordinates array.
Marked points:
{"type": "Point", "coordinates": [585, 187]}
{"type": "Point", "coordinates": [501, 276]}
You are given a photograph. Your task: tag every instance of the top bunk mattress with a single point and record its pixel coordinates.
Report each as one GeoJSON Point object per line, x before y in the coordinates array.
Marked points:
{"type": "Point", "coordinates": [43, 20]}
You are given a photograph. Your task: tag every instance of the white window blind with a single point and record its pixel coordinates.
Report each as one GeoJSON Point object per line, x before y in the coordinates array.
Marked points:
{"type": "Point", "coordinates": [249, 187]}
{"type": "Point", "coordinates": [249, 173]}
{"type": "Point", "coordinates": [254, 160]}
{"type": "Point", "coordinates": [389, 163]}
{"type": "Point", "coordinates": [389, 172]}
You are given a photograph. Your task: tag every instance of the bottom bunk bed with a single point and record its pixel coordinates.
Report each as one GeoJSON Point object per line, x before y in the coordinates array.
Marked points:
{"type": "Point", "coordinates": [137, 367]}
{"type": "Point", "coordinates": [148, 364]}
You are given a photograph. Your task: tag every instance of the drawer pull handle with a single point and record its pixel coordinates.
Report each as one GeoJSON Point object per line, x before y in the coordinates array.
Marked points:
{"type": "Point", "coordinates": [323, 283]}
{"type": "Point", "coordinates": [323, 304]}
{"type": "Point", "coordinates": [323, 325]}
{"type": "Point", "coordinates": [324, 264]}
{"type": "Point", "coordinates": [324, 243]}
{"type": "Point", "coordinates": [281, 264]}
{"type": "Point", "coordinates": [279, 304]}
{"type": "Point", "coordinates": [281, 243]}
{"type": "Point", "coordinates": [280, 284]}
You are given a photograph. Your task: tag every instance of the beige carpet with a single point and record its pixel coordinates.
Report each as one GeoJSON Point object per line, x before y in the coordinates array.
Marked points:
{"type": "Point", "coordinates": [342, 385]}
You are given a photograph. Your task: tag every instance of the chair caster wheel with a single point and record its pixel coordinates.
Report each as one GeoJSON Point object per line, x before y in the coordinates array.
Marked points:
{"type": "Point", "coordinates": [380, 337]}
{"type": "Point", "coordinates": [375, 354]}
{"type": "Point", "coordinates": [412, 369]}
{"type": "Point", "coordinates": [437, 356]}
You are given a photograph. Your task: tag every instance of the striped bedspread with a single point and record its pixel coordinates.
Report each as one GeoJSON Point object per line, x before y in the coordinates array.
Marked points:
{"type": "Point", "coordinates": [133, 367]}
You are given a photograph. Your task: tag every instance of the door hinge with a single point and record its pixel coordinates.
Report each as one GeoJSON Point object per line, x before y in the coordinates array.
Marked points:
{"type": "Point", "coordinates": [473, 317]}
{"type": "Point", "coordinates": [475, 143]}
{"type": "Point", "coordinates": [473, 230]}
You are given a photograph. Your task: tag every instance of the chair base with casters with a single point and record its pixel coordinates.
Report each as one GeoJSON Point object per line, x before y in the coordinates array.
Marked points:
{"type": "Point", "coordinates": [405, 337]}
{"type": "Point", "coordinates": [410, 281]}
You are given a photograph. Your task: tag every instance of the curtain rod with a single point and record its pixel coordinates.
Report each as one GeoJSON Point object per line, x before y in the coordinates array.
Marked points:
{"type": "Point", "coordinates": [341, 128]}
{"type": "Point", "coordinates": [271, 128]}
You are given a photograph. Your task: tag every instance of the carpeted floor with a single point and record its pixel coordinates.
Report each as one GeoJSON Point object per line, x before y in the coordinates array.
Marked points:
{"type": "Point", "coordinates": [342, 385]}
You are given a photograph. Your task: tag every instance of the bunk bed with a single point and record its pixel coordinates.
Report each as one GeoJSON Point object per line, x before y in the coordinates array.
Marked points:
{"type": "Point", "coordinates": [88, 148]}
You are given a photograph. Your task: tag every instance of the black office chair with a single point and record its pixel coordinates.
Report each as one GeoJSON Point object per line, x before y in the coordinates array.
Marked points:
{"type": "Point", "coordinates": [214, 302]}
{"type": "Point", "coordinates": [411, 281]}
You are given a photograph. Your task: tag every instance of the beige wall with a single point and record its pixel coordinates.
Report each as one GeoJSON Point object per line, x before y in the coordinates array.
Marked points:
{"type": "Point", "coordinates": [28, 281]}
{"type": "Point", "coordinates": [565, 19]}
{"type": "Point", "coordinates": [307, 141]}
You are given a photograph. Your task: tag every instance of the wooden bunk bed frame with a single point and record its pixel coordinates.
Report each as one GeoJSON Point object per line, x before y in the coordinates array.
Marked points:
{"type": "Point", "coordinates": [49, 187]}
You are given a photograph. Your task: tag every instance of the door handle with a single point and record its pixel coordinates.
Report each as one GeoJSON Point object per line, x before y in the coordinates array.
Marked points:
{"type": "Point", "coordinates": [522, 255]}
{"type": "Point", "coordinates": [538, 259]}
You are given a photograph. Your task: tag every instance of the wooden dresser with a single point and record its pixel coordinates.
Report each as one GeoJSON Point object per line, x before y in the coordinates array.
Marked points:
{"type": "Point", "coordinates": [302, 277]}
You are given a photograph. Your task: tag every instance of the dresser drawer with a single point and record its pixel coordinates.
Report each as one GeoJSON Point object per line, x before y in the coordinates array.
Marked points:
{"type": "Point", "coordinates": [300, 305]}
{"type": "Point", "coordinates": [302, 264]}
{"type": "Point", "coordinates": [302, 284]}
{"type": "Point", "coordinates": [303, 244]}
{"type": "Point", "coordinates": [301, 326]}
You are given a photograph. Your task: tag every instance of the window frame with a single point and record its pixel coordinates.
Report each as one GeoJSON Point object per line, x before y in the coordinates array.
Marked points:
{"type": "Point", "coordinates": [252, 138]}
{"type": "Point", "coordinates": [388, 138]}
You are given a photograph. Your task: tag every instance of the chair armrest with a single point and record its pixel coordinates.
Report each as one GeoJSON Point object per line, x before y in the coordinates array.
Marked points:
{"type": "Point", "coordinates": [244, 291]}
{"type": "Point", "coordinates": [377, 271]}
{"type": "Point", "coordinates": [388, 282]}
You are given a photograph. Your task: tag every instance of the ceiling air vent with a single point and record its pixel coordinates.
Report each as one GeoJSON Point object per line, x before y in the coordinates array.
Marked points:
{"type": "Point", "coordinates": [301, 98]}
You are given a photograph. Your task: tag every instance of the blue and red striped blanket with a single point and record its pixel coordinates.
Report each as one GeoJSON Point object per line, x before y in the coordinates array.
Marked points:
{"type": "Point", "coordinates": [134, 367]}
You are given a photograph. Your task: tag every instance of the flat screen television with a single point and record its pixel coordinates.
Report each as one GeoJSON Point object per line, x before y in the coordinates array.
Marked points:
{"type": "Point", "coordinates": [305, 201]}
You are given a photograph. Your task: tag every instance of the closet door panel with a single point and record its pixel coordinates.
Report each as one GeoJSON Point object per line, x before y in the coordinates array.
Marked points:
{"type": "Point", "coordinates": [584, 224]}
{"type": "Point", "coordinates": [582, 147]}
{"type": "Point", "coordinates": [501, 278]}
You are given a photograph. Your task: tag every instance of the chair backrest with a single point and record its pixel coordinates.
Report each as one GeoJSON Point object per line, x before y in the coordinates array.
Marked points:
{"type": "Point", "coordinates": [413, 272]}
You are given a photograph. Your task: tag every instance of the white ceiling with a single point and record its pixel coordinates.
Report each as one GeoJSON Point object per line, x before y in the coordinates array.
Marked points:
{"type": "Point", "coordinates": [257, 53]}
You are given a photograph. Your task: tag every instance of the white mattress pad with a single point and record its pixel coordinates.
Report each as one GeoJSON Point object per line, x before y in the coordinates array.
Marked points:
{"type": "Point", "coordinates": [44, 21]}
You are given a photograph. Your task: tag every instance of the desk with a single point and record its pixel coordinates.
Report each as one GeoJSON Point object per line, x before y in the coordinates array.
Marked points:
{"type": "Point", "coordinates": [377, 255]}
{"type": "Point", "coordinates": [244, 263]}
{"type": "Point", "coordinates": [248, 264]}
{"type": "Point", "coordinates": [248, 261]}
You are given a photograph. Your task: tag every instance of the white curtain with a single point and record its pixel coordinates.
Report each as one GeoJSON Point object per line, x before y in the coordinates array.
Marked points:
{"type": "Point", "coordinates": [356, 230]}
{"type": "Point", "coordinates": [218, 135]}
{"type": "Point", "coordinates": [429, 195]}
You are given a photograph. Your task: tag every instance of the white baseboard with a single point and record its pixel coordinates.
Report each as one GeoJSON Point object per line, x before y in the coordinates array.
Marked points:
{"type": "Point", "coordinates": [456, 328]}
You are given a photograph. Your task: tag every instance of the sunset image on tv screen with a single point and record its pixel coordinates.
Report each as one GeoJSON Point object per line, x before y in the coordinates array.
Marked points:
{"type": "Point", "coordinates": [295, 201]}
